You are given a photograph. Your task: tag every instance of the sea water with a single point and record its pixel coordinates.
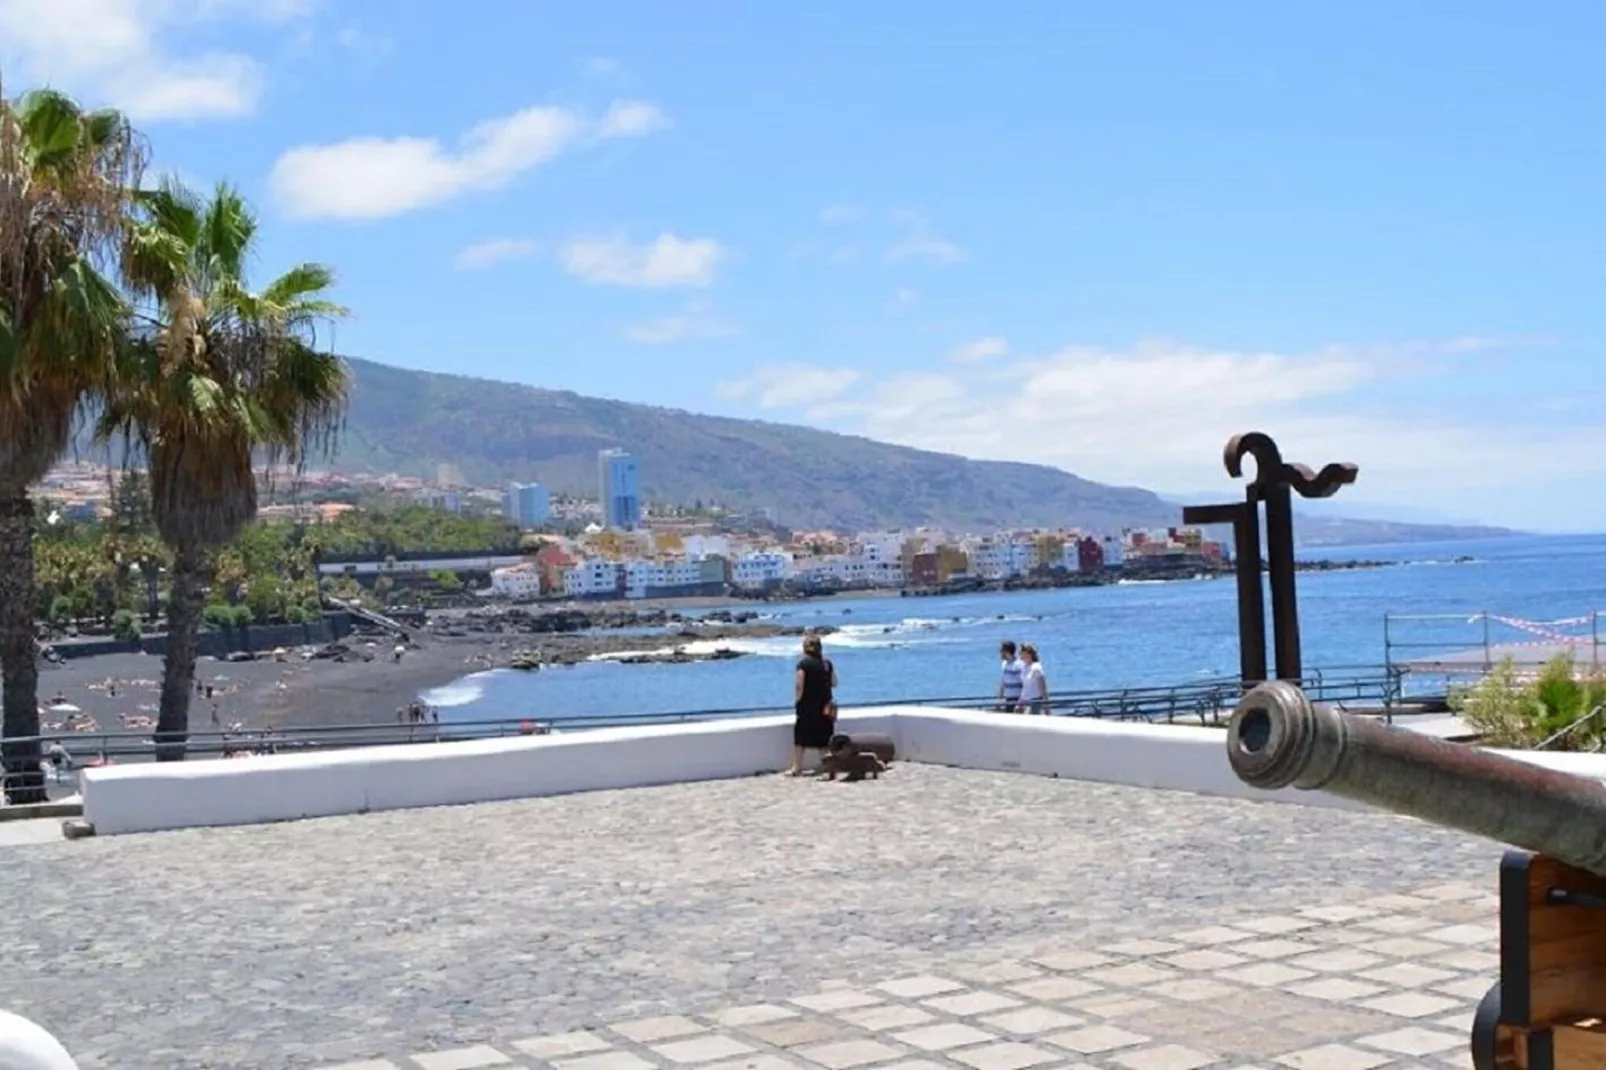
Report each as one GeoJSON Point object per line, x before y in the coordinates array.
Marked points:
{"type": "Point", "coordinates": [1126, 635]}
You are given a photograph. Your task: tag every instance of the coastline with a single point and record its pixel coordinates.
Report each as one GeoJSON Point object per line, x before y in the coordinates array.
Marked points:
{"type": "Point", "coordinates": [324, 692]}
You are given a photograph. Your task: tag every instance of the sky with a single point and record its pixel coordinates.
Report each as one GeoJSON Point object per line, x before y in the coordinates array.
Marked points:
{"type": "Point", "coordinates": [1098, 236]}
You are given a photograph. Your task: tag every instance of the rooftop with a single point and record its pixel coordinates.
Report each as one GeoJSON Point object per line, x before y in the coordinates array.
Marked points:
{"type": "Point", "coordinates": [934, 918]}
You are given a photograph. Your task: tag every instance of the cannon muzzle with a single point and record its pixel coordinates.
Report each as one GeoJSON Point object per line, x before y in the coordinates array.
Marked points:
{"type": "Point", "coordinates": [1277, 739]}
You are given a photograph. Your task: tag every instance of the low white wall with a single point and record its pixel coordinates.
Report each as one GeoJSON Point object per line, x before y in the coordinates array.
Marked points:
{"type": "Point", "coordinates": [1172, 757]}
{"type": "Point", "coordinates": [148, 796]}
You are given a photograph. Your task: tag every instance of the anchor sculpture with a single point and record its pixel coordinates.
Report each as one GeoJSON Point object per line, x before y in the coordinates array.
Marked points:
{"type": "Point", "coordinates": [1275, 483]}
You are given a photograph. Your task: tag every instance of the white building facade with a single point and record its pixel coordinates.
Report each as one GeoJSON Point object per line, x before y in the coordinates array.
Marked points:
{"type": "Point", "coordinates": [517, 581]}
{"type": "Point", "coordinates": [590, 579]}
{"type": "Point", "coordinates": [760, 568]}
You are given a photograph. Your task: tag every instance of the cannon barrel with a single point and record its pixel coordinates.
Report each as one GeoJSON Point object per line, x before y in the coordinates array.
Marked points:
{"type": "Point", "coordinates": [1277, 738]}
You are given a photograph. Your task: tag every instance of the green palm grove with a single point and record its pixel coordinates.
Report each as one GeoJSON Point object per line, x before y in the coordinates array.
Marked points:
{"type": "Point", "coordinates": [129, 308]}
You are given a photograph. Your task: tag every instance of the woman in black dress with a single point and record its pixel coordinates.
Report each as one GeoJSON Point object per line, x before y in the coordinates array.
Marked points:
{"type": "Point", "coordinates": [816, 708]}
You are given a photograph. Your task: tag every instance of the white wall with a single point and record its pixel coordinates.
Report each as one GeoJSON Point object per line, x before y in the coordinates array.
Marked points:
{"type": "Point", "coordinates": [149, 796]}
{"type": "Point", "coordinates": [1171, 757]}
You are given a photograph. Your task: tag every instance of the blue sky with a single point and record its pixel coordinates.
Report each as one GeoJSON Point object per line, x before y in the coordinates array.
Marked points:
{"type": "Point", "coordinates": [1099, 236]}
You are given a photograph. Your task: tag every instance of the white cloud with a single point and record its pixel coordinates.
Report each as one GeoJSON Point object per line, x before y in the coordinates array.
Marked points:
{"type": "Point", "coordinates": [905, 297]}
{"type": "Point", "coordinates": [919, 242]}
{"type": "Point", "coordinates": [788, 386]}
{"type": "Point", "coordinates": [925, 247]}
{"type": "Point", "coordinates": [841, 213]}
{"type": "Point", "coordinates": [632, 118]}
{"type": "Point", "coordinates": [495, 251]}
{"type": "Point", "coordinates": [696, 320]}
{"type": "Point", "coordinates": [664, 263]}
{"type": "Point", "coordinates": [121, 52]}
{"type": "Point", "coordinates": [979, 350]}
{"type": "Point", "coordinates": [370, 178]}
{"type": "Point", "coordinates": [1158, 414]}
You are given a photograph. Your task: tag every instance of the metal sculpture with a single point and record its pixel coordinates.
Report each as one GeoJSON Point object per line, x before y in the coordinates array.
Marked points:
{"type": "Point", "coordinates": [1546, 1010]}
{"type": "Point", "coordinates": [1275, 483]}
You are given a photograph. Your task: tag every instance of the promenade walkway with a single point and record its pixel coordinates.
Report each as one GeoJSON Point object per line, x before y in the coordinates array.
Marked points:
{"type": "Point", "coordinates": [936, 918]}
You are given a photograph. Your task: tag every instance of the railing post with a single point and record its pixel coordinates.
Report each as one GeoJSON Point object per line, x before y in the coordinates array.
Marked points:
{"type": "Point", "coordinates": [1388, 649]}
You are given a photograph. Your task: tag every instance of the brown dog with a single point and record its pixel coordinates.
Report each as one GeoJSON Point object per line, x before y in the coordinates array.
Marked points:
{"type": "Point", "coordinates": [857, 755]}
{"type": "Point", "coordinates": [854, 763]}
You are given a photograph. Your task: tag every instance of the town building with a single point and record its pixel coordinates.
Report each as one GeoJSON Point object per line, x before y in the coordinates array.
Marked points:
{"type": "Point", "coordinates": [594, 579]}
{"type": "Point", "coordinates": [620, 489]}
{"type": "Point", "coordinates": [759, 569]}
{"type": "Point", "coordinates": [529, 505]}
{"type": "Point", "coordinates": [521, 581]}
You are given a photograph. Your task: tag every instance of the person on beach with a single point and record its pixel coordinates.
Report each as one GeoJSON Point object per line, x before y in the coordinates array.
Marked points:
{"type": "Point", "coordinates": [1033, 684]}
{"type": "Point", "coordinates": [813, 688]}
{"type": "Point", "coordinates": [1009, 679]}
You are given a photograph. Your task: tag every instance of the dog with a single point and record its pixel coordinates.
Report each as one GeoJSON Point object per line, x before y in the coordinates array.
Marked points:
{"type": "Point", "coordinates": [857, 756]}
{"type": "Point", "coordinates": [856, 764]}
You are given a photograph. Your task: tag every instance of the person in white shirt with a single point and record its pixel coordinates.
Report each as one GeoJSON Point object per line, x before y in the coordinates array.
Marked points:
{"type": "Point", "coordinates": [1009, 678]}
{"type": "Point", "coordinates": [1033, 684]}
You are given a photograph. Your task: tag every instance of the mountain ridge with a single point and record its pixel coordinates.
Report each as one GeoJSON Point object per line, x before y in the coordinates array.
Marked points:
{"type": "Point", "coordinates": [410, 421]}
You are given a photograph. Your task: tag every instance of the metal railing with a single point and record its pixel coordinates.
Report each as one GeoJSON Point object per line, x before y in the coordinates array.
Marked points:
{"type": "Point", "coordinates": [1200, 701]}
{"type": "Point", "coordinates": [1473, 643]}
{"type": "Point", "coordinates": [1566, 731]}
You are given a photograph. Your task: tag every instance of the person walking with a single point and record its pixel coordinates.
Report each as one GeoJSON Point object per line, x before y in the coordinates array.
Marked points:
{"type": "Point", "coordinates": [1009, 678]}
{"type": "Point", "coordinates": [813, 691]}
{"type": "Point", "coordinates": [1033, 684]}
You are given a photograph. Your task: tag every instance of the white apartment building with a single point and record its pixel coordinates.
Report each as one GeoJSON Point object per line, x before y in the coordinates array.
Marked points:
{"type": "Point", "coordinates": [517, 581]}
{"type": "Point", "coordinates": [1003, 559]}
{"type": "Point", "coordinates": [760, 567]}
{"type": "Point", "coordinates": [642, 575]}
{"type": "Point", "coordinates": [589, 579]}
{"type": "Point", "coordinates": [882, 554]}
{"type": "Point", "coordinates": [1114, 552]}
{"type": "Point", "coordinates": [834, 570]}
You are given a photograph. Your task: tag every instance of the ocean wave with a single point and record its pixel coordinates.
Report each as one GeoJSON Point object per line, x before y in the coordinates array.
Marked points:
{"type": "Point", "coordinates": [462, 692]}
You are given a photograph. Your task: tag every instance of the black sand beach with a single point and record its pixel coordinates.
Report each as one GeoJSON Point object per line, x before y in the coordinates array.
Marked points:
{"type": "Point", "coordinates": [264, 693]}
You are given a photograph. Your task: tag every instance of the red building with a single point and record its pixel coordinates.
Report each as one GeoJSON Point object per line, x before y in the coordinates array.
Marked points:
{"type": "Point", "coordinates": [1089, 555]}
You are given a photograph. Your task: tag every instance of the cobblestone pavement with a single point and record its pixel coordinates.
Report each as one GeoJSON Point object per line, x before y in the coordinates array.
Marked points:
{"type": "Point", "coordinates": [935, 918]}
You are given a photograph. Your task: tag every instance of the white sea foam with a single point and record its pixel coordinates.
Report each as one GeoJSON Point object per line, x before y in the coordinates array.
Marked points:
{"type": "Point", "coordinates": [458, 693]}
{"type": "Point", "coordinates": [906, 632]}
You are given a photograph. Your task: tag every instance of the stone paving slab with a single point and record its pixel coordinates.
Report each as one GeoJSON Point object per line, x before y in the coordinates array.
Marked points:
{"type": "Point", "coordinates": [934, 918]}
{"type": "Point", "coordinates": [1407, 1014]}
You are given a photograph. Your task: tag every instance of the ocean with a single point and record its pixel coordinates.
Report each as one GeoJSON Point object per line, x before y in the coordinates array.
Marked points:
{"type": "Point", "coordinates": [1128, 635]}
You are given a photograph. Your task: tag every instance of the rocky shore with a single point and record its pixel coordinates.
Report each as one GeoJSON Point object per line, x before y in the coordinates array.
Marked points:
{"type": "Point", "coordinates": [514, 650]}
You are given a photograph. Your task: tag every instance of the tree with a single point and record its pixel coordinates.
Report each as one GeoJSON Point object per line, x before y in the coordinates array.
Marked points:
{"type": "Point", "coordinates": [65, 178]}
{"type": "Point", "coordinates": [220, 376]}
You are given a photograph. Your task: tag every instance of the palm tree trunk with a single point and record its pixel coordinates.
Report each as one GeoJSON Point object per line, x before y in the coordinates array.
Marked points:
{"type": "Point", "coordinates": [184, 602]}
{"type": "Point", "coordinates": [19, 665]}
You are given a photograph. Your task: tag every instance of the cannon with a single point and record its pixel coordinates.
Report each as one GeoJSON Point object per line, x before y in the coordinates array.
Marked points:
{"type": "Point", "coordinates": [1548, 1008]}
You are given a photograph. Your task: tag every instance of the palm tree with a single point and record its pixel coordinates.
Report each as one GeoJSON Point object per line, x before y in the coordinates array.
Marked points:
{"type": "Point", "coordinates": [66, 176]}
{"type": "Point", "coordinates": [223, 377]}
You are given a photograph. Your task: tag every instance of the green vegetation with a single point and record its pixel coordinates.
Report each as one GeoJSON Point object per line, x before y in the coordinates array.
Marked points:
{"type": "Point", "coordinates": [410, 422]}
{"type": "Point", "coordinates": [1511, 710]}
{"type": "Point", "coordinates": [132, 304]}
{"type": "Point", "coordinates": [117, 574]}
{"type": "Point", "coordinates": [215, 377]}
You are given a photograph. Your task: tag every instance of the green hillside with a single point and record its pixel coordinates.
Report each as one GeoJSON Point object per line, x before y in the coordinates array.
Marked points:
{"type": "Point", "coordinates": [408, 422]}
